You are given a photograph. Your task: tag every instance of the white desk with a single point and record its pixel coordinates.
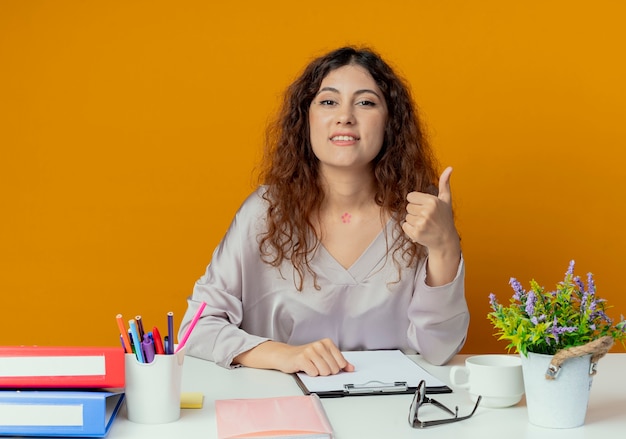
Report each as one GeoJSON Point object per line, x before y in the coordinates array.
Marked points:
{"type": "Point", "coordinates": [385, 416]}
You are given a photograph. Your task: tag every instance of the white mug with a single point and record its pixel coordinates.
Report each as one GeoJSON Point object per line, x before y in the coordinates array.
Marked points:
{"type": "Point", "coordinates": [497, 378]}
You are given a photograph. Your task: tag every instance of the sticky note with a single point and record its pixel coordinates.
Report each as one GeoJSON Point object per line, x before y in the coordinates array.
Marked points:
{"type": "Point", "coordinates": [191, 400]}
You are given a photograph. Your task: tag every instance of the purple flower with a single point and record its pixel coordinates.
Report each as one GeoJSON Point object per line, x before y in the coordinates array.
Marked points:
{"type": "Point", "coordinates": [570, 269]}
{"type": "Point", "coordinates": [591, 286]}
{"type": "Point", "coordinates": [493, 301]}
{"type": "Point", "coordinates": [517, 287]}
{"type": "Point", "coordinates": [583, 301]}
{"type": "Point", "coordinates": [599, 314]}
{"type": "Point", "coordinates": [563, 329]}
{"type": "Point", "coordinates": [530, 303]}
{"type": "Point", "coordinates": [579, 283]}
{"type": "Point", "coordinates": [556, 330]}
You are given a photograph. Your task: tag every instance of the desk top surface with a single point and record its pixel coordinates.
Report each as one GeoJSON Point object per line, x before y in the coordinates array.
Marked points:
{"type": "Point", "coordinates": [383, 416]}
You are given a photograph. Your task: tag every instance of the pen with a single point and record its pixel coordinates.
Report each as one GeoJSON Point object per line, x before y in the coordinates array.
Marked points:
{"type": "Point", "coordinates": [158, 344]}
{"type": "Point", "coordinates": [124, 334]}
{"type": "Point", "coordinates": [136, 340]}
{"type": "Point", "coordinates": [195, 319]}
{"type": "Point", "coordinates": [166, 344]}
{"type": "Point", "coordinates": [170, 333]}
{"type": "Point", "coordinates": [148, 348]}
{"type": "Point", "coordinates": [139, 326]}
{"type": "Point", "coordinates": [132, 343]}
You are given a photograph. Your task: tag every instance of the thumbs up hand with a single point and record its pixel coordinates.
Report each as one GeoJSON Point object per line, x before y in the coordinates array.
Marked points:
{"type": "Point", "coordinates": [430, 222]}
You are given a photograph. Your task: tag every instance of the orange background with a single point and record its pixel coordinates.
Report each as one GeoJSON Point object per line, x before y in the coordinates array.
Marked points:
{"type": "Point", "coordinates": [129, 132]}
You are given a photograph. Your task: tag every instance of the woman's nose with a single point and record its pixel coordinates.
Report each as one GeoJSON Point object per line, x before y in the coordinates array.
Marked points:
{"type": "Point", "coordinates": [345, 115]}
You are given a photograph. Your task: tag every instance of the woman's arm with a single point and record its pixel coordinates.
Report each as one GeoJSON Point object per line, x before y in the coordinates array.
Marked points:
{"type": "Point", "coordinates": [321, 357]}
{"type": "Point", "coordinates": [217, 335]}
{"type": "Point", "coordinates": [439, 316]}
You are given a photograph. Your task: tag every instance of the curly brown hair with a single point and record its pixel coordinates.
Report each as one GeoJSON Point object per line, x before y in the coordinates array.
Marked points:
{"type": "Point", "coordinates": [290, 168]}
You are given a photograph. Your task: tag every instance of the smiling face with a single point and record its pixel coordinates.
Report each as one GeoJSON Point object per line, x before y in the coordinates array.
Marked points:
{"type": "Point", "coordinates": [347, 119]}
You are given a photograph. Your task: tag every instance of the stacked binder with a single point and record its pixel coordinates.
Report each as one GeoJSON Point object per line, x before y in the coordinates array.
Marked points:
{"type": "Point", "coordinates": [60, 391]}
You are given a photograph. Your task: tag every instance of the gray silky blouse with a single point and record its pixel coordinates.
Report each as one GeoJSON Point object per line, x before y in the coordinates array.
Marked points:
{"type": "Point", "coordinates": [364, 307]}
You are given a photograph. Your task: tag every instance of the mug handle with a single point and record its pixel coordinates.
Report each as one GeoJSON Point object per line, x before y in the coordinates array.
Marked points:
{"type": "Point", "coordinates": [453, 375]}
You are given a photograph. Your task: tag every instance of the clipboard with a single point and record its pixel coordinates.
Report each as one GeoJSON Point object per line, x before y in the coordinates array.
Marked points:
{"type": "Point", "coordinates": [379, 372]}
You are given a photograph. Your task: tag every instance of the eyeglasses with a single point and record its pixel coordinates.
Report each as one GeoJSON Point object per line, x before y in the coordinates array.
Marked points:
{"type": "Point", "coordinates": [420, 398]}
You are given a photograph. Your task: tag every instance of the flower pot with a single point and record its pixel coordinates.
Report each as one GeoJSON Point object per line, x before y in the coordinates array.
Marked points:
{"type": "Point", "coordinates": [561, 402]}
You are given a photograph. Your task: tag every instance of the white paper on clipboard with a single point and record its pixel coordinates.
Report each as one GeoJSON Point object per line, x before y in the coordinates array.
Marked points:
{"type": "Point", "coordinates": [374, 369]}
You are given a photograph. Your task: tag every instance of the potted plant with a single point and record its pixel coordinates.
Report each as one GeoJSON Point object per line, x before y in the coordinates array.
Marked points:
{"type": "Point", "coordinates": [560, 335]}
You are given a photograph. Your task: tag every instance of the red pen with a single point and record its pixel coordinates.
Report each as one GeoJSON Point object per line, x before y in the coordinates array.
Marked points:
{"type": "Point", "coordinates": [158, 344]}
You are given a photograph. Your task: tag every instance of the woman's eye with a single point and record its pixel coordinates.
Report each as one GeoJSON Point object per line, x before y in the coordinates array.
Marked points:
{"type": "Point", "coordinates": [327, 102]}
{"type": "Point", "coordinates": [366, 103]}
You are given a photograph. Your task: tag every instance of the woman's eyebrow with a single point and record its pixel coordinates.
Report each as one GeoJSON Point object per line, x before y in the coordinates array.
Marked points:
{"type": "Point", "coordinates": [356, 93]}
{"type": "Point", "coordinates": [330, 89]}
{"type": "Point", "coordinates": [367, 90]}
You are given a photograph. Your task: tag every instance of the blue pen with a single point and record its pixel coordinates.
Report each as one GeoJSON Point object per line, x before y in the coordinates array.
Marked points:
{"type": "Point", "coordinates": [136, 340]}
{"type": "Point", "coordinates": [170, 333]}
{"type": "Point", "coordinates": [148, 348]}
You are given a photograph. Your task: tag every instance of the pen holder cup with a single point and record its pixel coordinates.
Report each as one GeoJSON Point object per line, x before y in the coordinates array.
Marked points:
{"type": "Point", "coordinates": [153, 389]}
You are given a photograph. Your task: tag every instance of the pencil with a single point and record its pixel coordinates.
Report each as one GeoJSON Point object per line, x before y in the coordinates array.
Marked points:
{"type": "Point", "coordinates": [169, 348]}
{"type": "Point", "coordinates": [195, 319]}
{"type": "Point", "coordinates": [124, 334]}
{"type": "Point", "coordinates": [139, 326]}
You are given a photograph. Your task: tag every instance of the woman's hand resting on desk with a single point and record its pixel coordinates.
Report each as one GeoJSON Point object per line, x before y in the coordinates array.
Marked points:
{"type": "Point", "coordinates": [320, 357]}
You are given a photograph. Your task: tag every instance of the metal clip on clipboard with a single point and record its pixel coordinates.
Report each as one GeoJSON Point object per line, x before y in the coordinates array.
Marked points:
{"type": "Point", "coordinates": [375, 387]}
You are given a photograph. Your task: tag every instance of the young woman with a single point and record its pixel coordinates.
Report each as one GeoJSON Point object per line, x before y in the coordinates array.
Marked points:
{"type": "Point", "coordinates": [347, 244]}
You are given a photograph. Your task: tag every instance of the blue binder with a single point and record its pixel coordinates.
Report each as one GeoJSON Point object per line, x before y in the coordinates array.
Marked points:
{"type": "Point", "coordinates": [68, 413]}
